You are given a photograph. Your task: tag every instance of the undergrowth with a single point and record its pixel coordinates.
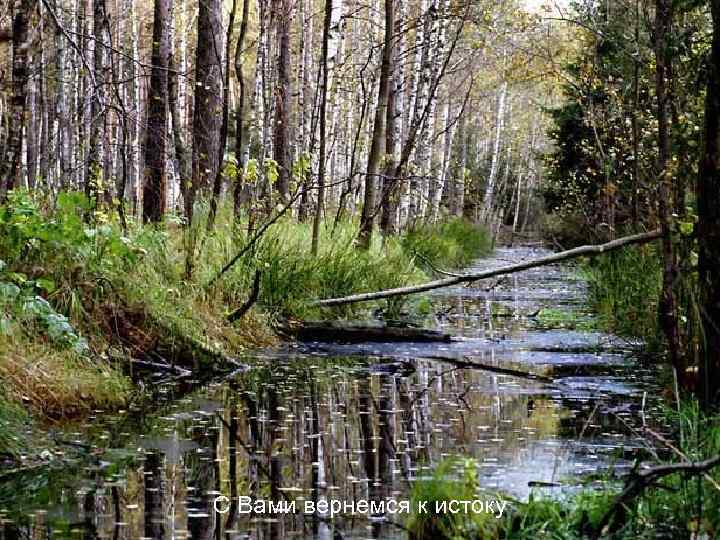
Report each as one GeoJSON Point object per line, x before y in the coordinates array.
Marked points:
{"type": "Point", "coordinates": [77, 294]}
{"type": "Point", "coordinates": [291, 276]}
{"type": "Point", "coordinates": [13, 419]}
{"type": "Point", "coordinates": [625, 289]}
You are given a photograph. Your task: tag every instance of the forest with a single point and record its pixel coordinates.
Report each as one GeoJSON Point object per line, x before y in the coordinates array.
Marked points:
{"type": "Point", "coordinates": [370, 251]}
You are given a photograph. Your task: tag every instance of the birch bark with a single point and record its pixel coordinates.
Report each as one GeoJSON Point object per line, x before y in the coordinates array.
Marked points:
{"type": "Point", "coordinates": [492, 177]}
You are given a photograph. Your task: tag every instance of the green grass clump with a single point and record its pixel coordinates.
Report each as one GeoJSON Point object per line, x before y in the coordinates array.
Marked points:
{"type": "Point", "coordinates": [457, 479]}
{"type": "Point", "coordinates": [625, 289]}
{"type": "Point", "coordinates": [58, 383]}
{"type": "Point", "coordinates": [90, 287]}
{"type": "Point", "coordinates": [560, 318]}
{"type": "Point", "coordinates": [292, 276]}
{"type": "Point", "coordinates": [453, 244]}
{"type": "Point", "coordinates": [684, 507]}
{"type": "Point", "coordinates": [453, 480]}
{"type": "Point", "coordinates": [678, 506]}
{"type": "Point", "coordinates": [12, 421]}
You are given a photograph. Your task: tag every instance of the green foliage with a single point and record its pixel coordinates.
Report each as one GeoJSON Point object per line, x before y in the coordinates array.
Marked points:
{"type": "Point", "coordinates": [558, 318]}
{"type": "Point", "coordinates": [12, 419]}
{"type": "Point", "coordinates": [56, 251]}
{"type": "Point", "coordinates": [64, 282]}
{"type": "Point", "coordinates": [456, 479]}
{"type": "Point", "coordinates": [625, 289]}
{"type": "Point", "coordinates": [21, 307]}
{"type": "Point", "coordinates": [453, 480]}
{"type": "Point", "coordinates": [292, 276]}
{"type": "Point", "coordinates": [687, 506]}
{"type": "Point", "coordinates": [601, 172]}
{"type": "Point", "coordinates": [683, 508]}
{"type": "Point", "coordinates": [271, 170]}
{"type": "Point", "coordinates": [454, 244]}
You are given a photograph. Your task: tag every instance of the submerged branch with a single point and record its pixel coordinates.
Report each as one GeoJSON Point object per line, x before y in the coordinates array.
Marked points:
{"type": "Point", "coordinates": [466, 364]}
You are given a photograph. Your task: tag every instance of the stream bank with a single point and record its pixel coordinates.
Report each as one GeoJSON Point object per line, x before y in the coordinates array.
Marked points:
{"type": "Point", "coordinates": [348, 422]}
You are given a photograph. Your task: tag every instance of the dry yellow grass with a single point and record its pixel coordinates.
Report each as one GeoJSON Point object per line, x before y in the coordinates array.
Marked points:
{"type": "Point", "coordinates": [58, 384]}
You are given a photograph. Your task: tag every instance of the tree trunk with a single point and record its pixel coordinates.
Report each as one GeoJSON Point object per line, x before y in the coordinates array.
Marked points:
{"type": "Point", "coordinates": [207, 109]}
{"type": "Point", "coordinates": [240, 139]}
{"type": "Point", "coordinates": [323, 142]}
{"type": "Point", "coordinates": [367, 219]}
{"type": "Point", "coordinates": [457, 206]}
{"type": "Point", "coordinates": [582, 251]}
{"type": "Point", "coordinates": [217, 181]}
{"type": "Point", "coordinates": [93, 172]}
{"type": "Point", "coordinates": [182, 157]}
{"type": "Point", "coordinates": [488, 198]}
{"type": "Point", "coordinates": [32, 125]}
{"type": "Point", "coordinates": [437, 191]}
{"type": "Point", "coordinates": [708, 199]}
{"type": "Point", "coordinates": [10, 168]}
{"type": "Point", "coordinates": [282, 101]}
{"type": "Point", "coordinates": [668, 300]}
{"type": "Point", "coordinates": [155, 185]}
{"type": "Point", "coordinates": [394, 128]}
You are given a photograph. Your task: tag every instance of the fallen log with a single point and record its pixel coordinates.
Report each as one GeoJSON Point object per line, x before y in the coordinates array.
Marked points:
{"type": "Point", "coordinates": [342, 332]}
{"type": "Point", "coordinates": [583, 251]}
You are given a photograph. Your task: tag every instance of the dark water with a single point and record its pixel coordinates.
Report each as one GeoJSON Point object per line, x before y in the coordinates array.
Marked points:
{"type": "Point", "coordinates": [354, 422]}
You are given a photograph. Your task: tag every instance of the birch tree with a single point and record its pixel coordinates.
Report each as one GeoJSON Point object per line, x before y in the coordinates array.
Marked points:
{"type": "Point", "coordinates": [367, 219]}
{"type": "Point", "coordinates": [10, 171]}
{"type": "Point", "coordinates": [488, 197]}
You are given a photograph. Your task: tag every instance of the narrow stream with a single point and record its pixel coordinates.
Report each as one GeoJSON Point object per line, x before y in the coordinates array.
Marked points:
{"type": "Point", "coordinates": [353, 422]}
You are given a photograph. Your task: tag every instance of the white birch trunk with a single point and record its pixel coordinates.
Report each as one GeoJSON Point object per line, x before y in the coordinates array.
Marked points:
{"type": "Point", "coordinates": [449, 130]}
{"type": "Point", "coordinates": [492, 177]}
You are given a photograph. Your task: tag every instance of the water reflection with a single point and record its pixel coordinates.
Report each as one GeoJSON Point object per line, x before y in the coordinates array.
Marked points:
{"type": "Point", "coordinates": [332, 424]}
{"type": "Point", "coordinates": [328, 429]}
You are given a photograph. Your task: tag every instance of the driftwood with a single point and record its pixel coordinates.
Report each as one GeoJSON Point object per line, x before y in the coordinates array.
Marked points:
{"type": "Point", "coordinates": [638, 481]}
{"type": "Point", "coordinates": [583, 251]}
{"type": "Point", "coordinates": [467, 364]}
{"type": "Point", "coordinates": [332, 331]}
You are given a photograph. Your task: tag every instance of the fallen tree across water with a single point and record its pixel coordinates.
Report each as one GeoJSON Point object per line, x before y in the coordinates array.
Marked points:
{"type": "Point", "coordinates": [582, 251]}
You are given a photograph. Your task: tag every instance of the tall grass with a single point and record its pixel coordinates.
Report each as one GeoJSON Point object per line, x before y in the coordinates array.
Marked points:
{"type": "Point", "coordinates": [625, 289]}
{"type": "Point", "coordinates": [454, 243]}
{"type": "Point", "coordinates": [12, 421]}
{"type": "Point", "coordinates": [453, 480]}
{"type": "Point", "coordinates": [58, 384]}
{"type": "Point", "coordinates": [292, 276]}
